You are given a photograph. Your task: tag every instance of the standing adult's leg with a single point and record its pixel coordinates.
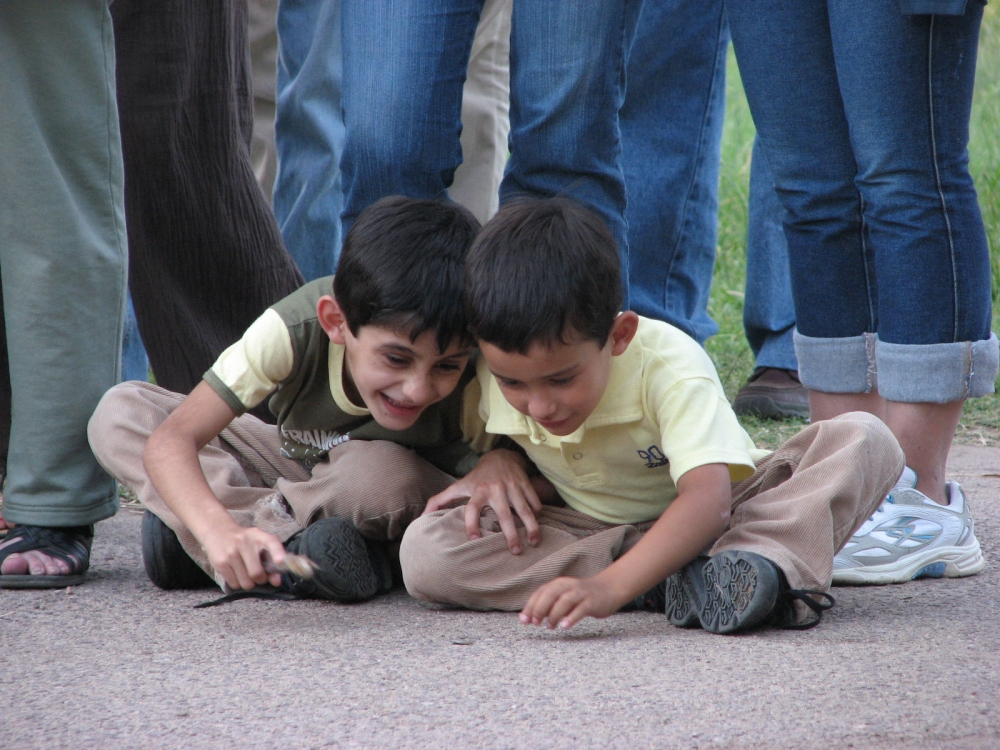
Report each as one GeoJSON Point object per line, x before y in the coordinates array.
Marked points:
{"type": "Point", "coordinates": [262, 36]}
{"type": "Point", "coordinates": [207, 257]}
{"type": "Point", "coordinates": [63, 256]}
{"type": "Point", "coordinates": [567, 73]}
{"type": "Point", "coordinates": [485, 114]}
{"type": "Point", "coordinates": [910, 134]}
{"type": "Point", "coordinates": [309, 133]}
{"type": "Point", "coordinates": [402, 108]}
{"type": "Point", "coordinates": [671, 125]}
{"type": "Point", "coordinates": [773, 389]}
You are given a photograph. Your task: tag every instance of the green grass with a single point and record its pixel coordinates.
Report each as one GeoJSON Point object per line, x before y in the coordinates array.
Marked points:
{"type": "Point", "coordinates": [732, 355]}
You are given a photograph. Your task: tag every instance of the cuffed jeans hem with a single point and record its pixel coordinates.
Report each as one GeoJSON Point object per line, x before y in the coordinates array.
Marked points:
{"type": "Point", "coordinates": [937, 373]}
{"type": "Point", "coordinates": [59, 515]}
{"type": "Point", "coordinates": [837, 365]}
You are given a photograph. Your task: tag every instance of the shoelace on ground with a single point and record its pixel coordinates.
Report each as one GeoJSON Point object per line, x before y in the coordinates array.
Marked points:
{"type": "Point", "coordinates": [283, 596]}
{"type": "Point", "coordinates": [806, 597]}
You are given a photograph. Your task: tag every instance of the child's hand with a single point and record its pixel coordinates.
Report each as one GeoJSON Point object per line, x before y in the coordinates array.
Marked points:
{"type": "Point", "coordinates": [566, 601]}
{"type": "Point", "coordinates": [500, 481]}
{"type": "Point", "coordinates": [238, 556]}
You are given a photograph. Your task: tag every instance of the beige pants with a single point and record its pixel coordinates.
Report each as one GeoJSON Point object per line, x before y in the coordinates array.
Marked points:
{"type": "Point", "coordinates": [376, 485]}
{"type": "Point", "coordinates": [798, 509]}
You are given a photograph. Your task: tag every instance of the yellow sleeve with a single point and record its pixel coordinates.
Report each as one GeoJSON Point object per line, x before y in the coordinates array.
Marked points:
{"type": "Point", "coordinates": [698, 427]}
{"type": "Point", "coordinates": [246, 372]}
{"type": "Point", "coordinates": [473, 418]}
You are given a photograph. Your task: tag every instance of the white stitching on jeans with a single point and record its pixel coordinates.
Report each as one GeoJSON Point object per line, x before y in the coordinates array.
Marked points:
{"type": "Point", "coordinates": [937, 174]}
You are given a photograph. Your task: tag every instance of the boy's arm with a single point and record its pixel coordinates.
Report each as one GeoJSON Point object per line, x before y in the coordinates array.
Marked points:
{"type": "Point", "coordinates": [695, 519]}
{"type": "Point", "coordinates": [171, 461]}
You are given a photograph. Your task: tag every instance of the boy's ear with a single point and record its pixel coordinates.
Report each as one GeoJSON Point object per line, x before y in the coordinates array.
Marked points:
{"type": "Point", "coordinates": [623, 331]}
{"type": "Point", "coordinates": [331, 317]}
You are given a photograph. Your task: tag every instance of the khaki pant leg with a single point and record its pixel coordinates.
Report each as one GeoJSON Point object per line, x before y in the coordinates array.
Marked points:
{"type": "Point", "coordinates": [806, 499]}
{"type": "Point", "coordinates": [485, 114]}
{"type": "Point", "coordinates": [442, 565]}
{"type": "Point", "coordinates": [241, 465]}
{"type": "Point", "coordinates": [377, 485]}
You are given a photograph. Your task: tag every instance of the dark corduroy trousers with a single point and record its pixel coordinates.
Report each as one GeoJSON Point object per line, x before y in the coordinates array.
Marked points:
{"type": "Point", "coordinates": [206, 257]}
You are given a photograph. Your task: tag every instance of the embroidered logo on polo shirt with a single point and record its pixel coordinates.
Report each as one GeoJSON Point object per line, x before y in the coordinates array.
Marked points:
{"type": "Point", "coordinates": [653, 457]}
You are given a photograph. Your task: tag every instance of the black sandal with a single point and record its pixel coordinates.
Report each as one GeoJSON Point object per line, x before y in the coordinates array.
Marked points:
{"type": "Point", "coordinates": [70, 544]}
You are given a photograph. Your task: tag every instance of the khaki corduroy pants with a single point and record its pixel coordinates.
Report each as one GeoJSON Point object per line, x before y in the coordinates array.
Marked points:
{"type": "Point", "coordinates": [377, 485]}
{"type": "Point", "coordinates": [798, 509]}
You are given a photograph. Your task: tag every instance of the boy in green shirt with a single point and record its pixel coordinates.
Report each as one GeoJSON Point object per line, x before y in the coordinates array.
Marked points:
{"type": "Point", "coordinates": [627, 419]}
{"type": "Point", "coordinates": [367, 374]}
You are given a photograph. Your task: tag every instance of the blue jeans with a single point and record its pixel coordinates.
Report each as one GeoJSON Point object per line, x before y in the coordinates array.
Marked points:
{"type": "Point", "coordinates": [135, 362]}
{"type": "Point", "coordinates": [404, 65]}
{"type": "Point", "coordinates": [863, 115]}
{"type": "Point", "coordinates": [671, 128]}
{"type": "Point", "coordinates": [309, 133]}
{"type": "Point", "coordinates": [768, 309]}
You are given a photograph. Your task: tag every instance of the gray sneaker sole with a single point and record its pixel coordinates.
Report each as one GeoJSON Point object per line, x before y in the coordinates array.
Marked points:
{"type": "Point", "coordinates": [680, 609]}
{"type": "Point", "coordinates": [740, 591]}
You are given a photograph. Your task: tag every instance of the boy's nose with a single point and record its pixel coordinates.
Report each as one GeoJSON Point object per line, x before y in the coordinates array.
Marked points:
{"type": "Point", "coordinates": [418, 390]}
{"type": "Point", "coordinates": [542, 408]}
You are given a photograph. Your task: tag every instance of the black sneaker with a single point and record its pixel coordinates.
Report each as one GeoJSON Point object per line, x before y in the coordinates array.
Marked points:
{"type": "Point", "coordinates": [350, 567]}
{"type": "Point", "coordinates": [736, 591]}
{"type": "Point", "coordinates": [167, 564]}
{"type": "Point", "coordinates": [651, 601]}
{"type": "Point", "coordinates": [681, 604]}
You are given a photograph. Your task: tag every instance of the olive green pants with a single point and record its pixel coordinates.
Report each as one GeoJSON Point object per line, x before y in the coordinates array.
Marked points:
{"type": "Point", "coordinates": [63, 256]}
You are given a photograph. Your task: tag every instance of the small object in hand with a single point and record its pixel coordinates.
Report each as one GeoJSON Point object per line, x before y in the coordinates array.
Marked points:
{"type": "Point", "coordinates": [297, 565]}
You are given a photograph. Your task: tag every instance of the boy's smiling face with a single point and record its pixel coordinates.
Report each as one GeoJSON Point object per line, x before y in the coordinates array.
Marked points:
{"type": "Point", "coordinates": [393, 377]}
{"type": "Point", "coordinates": [559, 385]}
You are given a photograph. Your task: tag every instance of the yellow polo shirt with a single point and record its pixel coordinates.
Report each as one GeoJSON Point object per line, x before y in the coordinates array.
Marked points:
{"type": "Point", "coordinates": [664, 413]}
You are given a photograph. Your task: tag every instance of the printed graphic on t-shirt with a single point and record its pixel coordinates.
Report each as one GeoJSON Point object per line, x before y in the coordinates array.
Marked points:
{"type": "Point", "coordinates": [310, 446]}
{"type": "Point", "coordinates": [653, 457]}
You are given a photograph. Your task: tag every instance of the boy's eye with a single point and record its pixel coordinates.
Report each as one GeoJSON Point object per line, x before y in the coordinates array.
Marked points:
{"type": "Point", "coordinates": [397, 361]}
{"type": "Point", "coordinates": [561, 381]}
{"type": "Point", "coordinates": [504, 382]}
{"type": "Point", "coordinates": [448, 366]}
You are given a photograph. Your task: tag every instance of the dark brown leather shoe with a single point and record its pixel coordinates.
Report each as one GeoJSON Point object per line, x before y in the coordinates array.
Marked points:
{"type": "Point", "coordinates": [773, 393]}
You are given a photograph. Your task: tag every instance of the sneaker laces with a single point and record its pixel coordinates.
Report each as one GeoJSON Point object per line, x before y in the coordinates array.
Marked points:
{"type": "Point", "coordinates": [787, 619]}
{"type": "Point", "coordinates": [283, 596]}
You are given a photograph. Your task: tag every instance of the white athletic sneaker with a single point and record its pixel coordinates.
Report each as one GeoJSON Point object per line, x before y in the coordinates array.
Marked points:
{"type": "Point", "coordinates": [910, 536]}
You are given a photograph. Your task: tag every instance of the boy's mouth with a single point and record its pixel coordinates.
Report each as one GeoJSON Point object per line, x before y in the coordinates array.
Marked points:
{"type": "Point", "coordinates": [553, 424]}
{"type": "Point", "coordinates": [397, 409]}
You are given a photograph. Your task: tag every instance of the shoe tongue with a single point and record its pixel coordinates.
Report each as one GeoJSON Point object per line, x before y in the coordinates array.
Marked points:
{"type": "Point", "coordinates": [907, 480]}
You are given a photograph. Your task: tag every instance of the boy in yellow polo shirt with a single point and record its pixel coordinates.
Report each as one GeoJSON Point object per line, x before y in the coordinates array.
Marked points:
{"type": "Point", "coordinates": [627, 419]}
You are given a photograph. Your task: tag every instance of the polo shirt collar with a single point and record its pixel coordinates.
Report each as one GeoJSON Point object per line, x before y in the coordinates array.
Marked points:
{"type": "Point", "coordinates": [620, 404]}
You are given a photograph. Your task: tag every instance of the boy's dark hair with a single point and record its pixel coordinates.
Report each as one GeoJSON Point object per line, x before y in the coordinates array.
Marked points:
{"type": "Point", "coordinates": [540, 270]}
{"type": "Point", "coordinates": [402, 267]}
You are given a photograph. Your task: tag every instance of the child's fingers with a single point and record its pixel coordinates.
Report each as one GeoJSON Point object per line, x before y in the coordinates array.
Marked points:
{"type": "Point", "coordinates": [253, 564]}
{"type": "Point", "coordinates": [580, 611]}
{"type": "Point", "coordinates": [473, 510]}
{"type": "Point", "coordinates": [562, 606]}
{"type": "Point", "coordinates": [446, 498]}
{"type": "Point", "coordinates": [506, 518]}
{"type": "Point", "coordinates": [526, 513]}
{"type": "Point", "coordinates": [531, 496]}
{"type": "Point", "coordinates": [540, 603]}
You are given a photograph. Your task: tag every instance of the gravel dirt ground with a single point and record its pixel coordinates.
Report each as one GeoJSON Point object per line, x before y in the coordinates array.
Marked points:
{"type": "Point", "coordinates": [119, 663]}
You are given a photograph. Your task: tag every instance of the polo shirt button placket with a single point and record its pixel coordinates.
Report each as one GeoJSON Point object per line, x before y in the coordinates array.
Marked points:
{"type": "Point", "coordinates": [577, 456]}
